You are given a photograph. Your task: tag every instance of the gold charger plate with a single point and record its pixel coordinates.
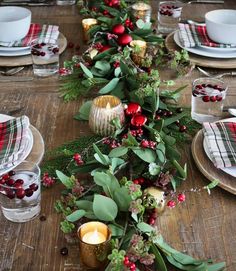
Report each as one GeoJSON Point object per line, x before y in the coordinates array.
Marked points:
{"type": "Point", "coordinates": [207, 168]}
{"type": "Point", "coordinates": [14, 61]}
{"type": "Point", "coordinates": [203, 61]}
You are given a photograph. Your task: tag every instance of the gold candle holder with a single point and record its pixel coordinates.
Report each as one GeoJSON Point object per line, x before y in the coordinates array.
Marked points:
{"type": "Point", "coordinates": [139, 50]}
{"type": "Point", "coordinates": [142, 11]}
{"type": "Point", "coordinates": [94, 245]}
{"type": "Point", "coordinates": [87, 24]}
{"type": "Point", "coordinates": [103, 110]}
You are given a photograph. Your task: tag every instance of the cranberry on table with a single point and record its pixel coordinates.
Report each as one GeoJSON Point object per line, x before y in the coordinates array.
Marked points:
{"type": "Point", "coordinates": [64, 251]}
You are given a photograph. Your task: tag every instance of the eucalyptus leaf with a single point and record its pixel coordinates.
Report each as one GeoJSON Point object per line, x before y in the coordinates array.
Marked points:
{"type": "Point", "coordinates": [100, 157]}
{"type": "Point", "coordinates": [76, 215]}
{"type": "Point", "coordinates": [122, 198]}
{"type": "Point", "coordinates": [160, 150]}
{"type": "Point", "coordinates": [67, 181]}
{"type": "Point", "coordinates": [87, 72]}
{"type": "Point", "coordinates": [85, 110]}
{"type": "Point", "coordinates": [115, 163]}
{"type": "Point", "coordinates": [104, 208]}
{"type": "Point", "coordinates": [84, 204]}
{"type": "Point", "coordinates": [217, 267]}
{"type": "Point", "coordinates": [118, 152]}
{"type": "Point", "coordinates": [146, 155]}
{"type": "Point", "coordinates": [173, 119]}
{"type": "Point", "coordinates": [159, 262]}
{"type": "Point", "coordinates": [115, 230]}
{"type": "Point", "coordinates": [110, 86]}
{"type": "Point", "coordinates": [117, 71]}
{"type": "Point", "coordinates": [103, 65]}
{"type": "Point", "coordinates": [144, 227]}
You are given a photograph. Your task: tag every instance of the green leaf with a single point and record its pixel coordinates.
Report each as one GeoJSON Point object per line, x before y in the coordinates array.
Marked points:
{"type": "Point", "coordinates": [105, 20]}
{"type": "Point", "coordinates": [144, 227]}
{"type": "Point", "coordinates": [130, 141]}
{"type": "Point", "coordinates": [103, 65]}
{"type": "Point", "coordinates": [86, 70]}
{"type": "Point", "coordinates": [115, 230]}
{"type": "Point", "coordinates": [67, 181]}
{"type": "Point", "coordinates": [122, 198]}
{"type": "Point", "coordinates": [84, 204]}
{"type": "Point", "coordinates": [125, 69]}
{"type": "Point", "coordinates": [116, 162]}
{"type": "Point", "coordinates": [110, 86]}
{"type": "Point", "coordinates": [160, 150]}
{"type": "Point", "coordinates": [104, 208]}
{"type": "Point", "coordinates": [84, 111]}
{"type": "Point", "coordinates": [104, 54]}
{"type": "Point", "coordinates": [182, 171]}
{"type": "Point", "coordinates": [146, 155]}
{"type": "Point", "coordinates": [216, 267]}
{"type": "Point", "coordinates": [118, 152]}
{"type": "Point", "coordinates": [185, 259]}
{"type": "Point", "coordinates": [212, 184]}
{"type": "Point", "coordinates": [76, 215]}
{"type": "Point", "coordinates": [202, 267]}
{"type": "Point", "coordinates": [140, 23]}
{"type": "Point", "coordinates": [159, 262]}
{"type": "Point", "coordinates": [100, 157]}
{"type": "Point", "coordinates": [174, 119]}
{"type": "Point", "coordinates": [117, 71]}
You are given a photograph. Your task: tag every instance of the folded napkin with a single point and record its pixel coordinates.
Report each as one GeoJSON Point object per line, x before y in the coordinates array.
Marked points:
{"type": "Point", "coordinates": [192, 35]}
{"type": "Point", "coordinates": [45, 33]}
{"type": "Point", "coordinates": [221, 142]}
{"type": "Point", "coordinates": [13, 140]}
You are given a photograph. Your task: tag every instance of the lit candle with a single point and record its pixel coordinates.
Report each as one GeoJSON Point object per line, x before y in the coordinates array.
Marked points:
{"type": "Point", "coordinates": [94, 244]}
{"type": "Point", "coordinates": [142, 11]}
{"type": "Point", "coordinates": [87, 24]}
{"type": "Point", "coordinates": [139, 50]}
{"type": "Point", "coordinates": [94, 237]}
{"type": "Point", "coordinates": [103, 110]}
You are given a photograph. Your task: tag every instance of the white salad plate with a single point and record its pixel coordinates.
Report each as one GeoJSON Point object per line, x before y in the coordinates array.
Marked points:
{"type": "Point", "coordinates": [9, 49]}
{"type": "Point", "coordinates": [203, 51]}
{"type": "Point", "coordinates": [15, 53]}
{"type": "Point", "coordinates": [231, 170]}
{"type": "Point", "coordinates": [28, 148]}
{"type": "Point", "coordinates": [216, 49]}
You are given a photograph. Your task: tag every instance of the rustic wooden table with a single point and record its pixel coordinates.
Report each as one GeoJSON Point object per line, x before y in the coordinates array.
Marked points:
{"type": "Point", "coordinates": [204, 226]}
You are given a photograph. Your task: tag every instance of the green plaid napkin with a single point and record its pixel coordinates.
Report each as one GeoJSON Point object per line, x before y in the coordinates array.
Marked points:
{"type": "Point", "coordinates": [13, 140]}
{"type": "Point", "coordinates": [221, 142]}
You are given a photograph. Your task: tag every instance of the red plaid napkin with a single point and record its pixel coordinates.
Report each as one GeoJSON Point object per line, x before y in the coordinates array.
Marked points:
{"type": "Point", "coordinates": [192, 35]}
{"type": "Point", "coordinates": [13, 140]}
{"type": "Point", "coordinates": [45, 33]}
{"type": "Point", "coordinates": [221, 142]}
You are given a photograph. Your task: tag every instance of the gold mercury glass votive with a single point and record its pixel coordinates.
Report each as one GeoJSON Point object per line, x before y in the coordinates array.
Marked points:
{"type": "Point", "coordinates": [94, 245]}
{"type": "Point", "coordinates": [103, 110]}
{"type": "Point", "coordinates": [87, 24]}
{"type": "Point", "coordinates": [142, 11]}
{"type": "Point", "coordinates": [139, 50]}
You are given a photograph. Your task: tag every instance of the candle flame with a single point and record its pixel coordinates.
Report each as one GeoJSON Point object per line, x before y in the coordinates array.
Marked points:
{"type": "Point", "coordinates": [108, 106]}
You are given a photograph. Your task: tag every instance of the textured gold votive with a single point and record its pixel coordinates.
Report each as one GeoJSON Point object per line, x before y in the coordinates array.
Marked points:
{"type": "Point", "coordinates": [142, 11]}
{"type": "Point", "coordinates": [140, 47]}
{"type": "Point", "coordinates": [87, 24]}
{"type": "Point", "coordinates": [103, 110]}
{"type": "Point", "coordinates": [94, 245]}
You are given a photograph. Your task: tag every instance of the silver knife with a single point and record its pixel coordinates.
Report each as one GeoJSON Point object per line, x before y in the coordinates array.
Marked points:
{"type": "Point", "coordinates": [15, 79]}
{"type": "Point", "coordinates": [26, 4]}
{"type": "Point", "coordinates": [206, 2]}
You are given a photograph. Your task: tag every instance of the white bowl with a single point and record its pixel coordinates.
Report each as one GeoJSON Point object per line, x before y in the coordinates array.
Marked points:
{"type": "Point", "coordinates": [221, 25]}
{"type": "Point", "coordinates": [14, 23]}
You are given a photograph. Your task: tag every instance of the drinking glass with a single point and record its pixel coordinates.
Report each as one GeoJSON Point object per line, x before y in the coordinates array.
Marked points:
{"type": "Point", "coordinates": [208, 95]}
{"type": "Point", "coordinates": [66, 2]}
{"type": "Point", "coordinates": [20, 192]}
{"type": "Point", "coordinates": [45, 58]}
{"type": "Point", "coordinates": [169, 15]}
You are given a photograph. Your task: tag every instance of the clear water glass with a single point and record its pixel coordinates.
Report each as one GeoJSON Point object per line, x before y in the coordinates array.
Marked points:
{"type": "Point", "coordinates": [45, 58]}
{"type": "Point", "coordinates": [66, 2]}
{"type": "Point", "coordinates": [20, 192]}
{"type": "Point", "coordinates": [208, 95]}
{"type": "Point", "coordinates": [169, 15]}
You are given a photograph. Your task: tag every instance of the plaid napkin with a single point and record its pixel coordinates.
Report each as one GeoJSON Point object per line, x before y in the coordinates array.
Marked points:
{"type": "Point", "coordinates": [13, 140]}
{"type": "Point", "coordinates": [221, 142]}
{"type": "Point", "coordinates": [45, 33]}
{"type": "Point", "coordinates": [192, 35]}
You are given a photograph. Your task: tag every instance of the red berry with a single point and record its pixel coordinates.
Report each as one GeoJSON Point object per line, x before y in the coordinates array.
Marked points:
{"type": "Point", "coordinates": [133, 108]}
{"type": "Point", "coordinates": [17, 185]}
{"type": "Point", "coordinates": [151, 221]}
{"type": "Point", "coordinates": [181, 197]}
{"type": "Point", "coordinates": [20, 193]}
{"type": "Point", "coordinates": [20, 181]}
{"type": "Point", "coordinates": [144, 143]}
{"type": "Point", "coordinates": [29, 192]}
{"type": "Point", "coordinates": [141, 180]}
{"type": "Point", "coordinates": [64, 251]}
{"type": "Point", "coordinates": [11, 173]}
{"type": "Point", "coordinates": [126, 261]}
{"type": "Point", "coordinates": [138, 120]}
{"type": "Point", "coordinates": [158, 117]}
{"type": "Point", "coordinates": [219, 98]}
{"type": "Point", "coordinates": [5, 177]}
{"type": "Point", "coordinates": [136, 181]}
{"type": "Point", "coordinates": [213, 98]}
{"type": "Point", "coordinates": [10, 193]}
{"type": "Point", "coordinates": [2, 181]}
{"type": "Point", "coordinates": [42, 53]}
{"type": "Point", "coordinates": [171, 203]}
{"type": "Point", "coordinates": [182, 128]}
{"type": "Point", "coordinates": [104, 48]}
{"type": "Point", "coordinates": [10, 182]}
{"type": "Point", "coordinates": [132, 267]}
{"type": "Point", "coordinates": [76, 156]}
{"type": "Point", "coordinates": [105, 12]}
{"type": "Point", "coordinates": [34, 186]}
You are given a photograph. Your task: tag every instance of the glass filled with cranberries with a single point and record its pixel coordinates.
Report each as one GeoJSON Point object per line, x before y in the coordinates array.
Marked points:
{"type": "Point", "coordinates": [45, 58]}
{"type": "Point", "coordinates": [169, 15]}
{"type": "Point", "coordinates": [20, 192]}
{"type": "Point", "coordinates": [208, 95]}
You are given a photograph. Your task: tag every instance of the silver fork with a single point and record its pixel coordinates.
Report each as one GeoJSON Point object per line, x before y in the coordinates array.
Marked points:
{"type": "Point", "coordinates": [218, 76]}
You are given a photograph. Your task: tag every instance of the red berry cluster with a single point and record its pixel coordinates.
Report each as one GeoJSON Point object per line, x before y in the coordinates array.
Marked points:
{"type": "Point", "coordinates": [78, 159]}
{"type": "Point", "coordinates": [38, 49]}
{"type": "Point", "coordinates": [129, 264]}
{"type": "Point", "coordinates": [202, 91]}
{"type": "Point", "coordinates": [148, 144]}
{"type": "Point", "coordinates": [111, 142]}
{"type": "Point", "coordinates": [152, 217]}
{"type": "Point", "coordinates": [167, 10]}
{"type": "Point", "coordinates": [112, 3]}
{"type": "Point", "coordinates": [129, 24]}
{"type": "Point", "coordinates": [116, 64]}
{"type": "Point", "coordinates": [180, 198]}
{"type": "Point", "coordinates": [139, 181]}
{"type": "Point", "coordinates": [48, 181]}
{"type": "Point", "coordinates": [14, 188]}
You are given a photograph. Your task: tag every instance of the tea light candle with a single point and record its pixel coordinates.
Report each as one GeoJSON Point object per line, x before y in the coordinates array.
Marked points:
{"type": "Point", "coordinates": [94, 244]}
{"type": "Point", "coordinates": [139, 51]}
{"type": "Point", "coordinates": [87, 24]}
{"type": "Point", "coordinates": [142, 11]}
{"type": "Point", "coordinates": [103, 110]}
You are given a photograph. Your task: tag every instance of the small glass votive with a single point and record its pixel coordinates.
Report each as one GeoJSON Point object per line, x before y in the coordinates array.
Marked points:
{"type": "Point", "coordinates": [169, 15]}
{"type": "Point", "coordinates": [20, 192]}
{"type": "Point", "coordinates": [87, 24]}
{"type": "Point", "coordinates": [94, 244]}
{"type": "Point", "coordinates": [66, 2]}
{"type": "Point", "coordinates": [208, 96]}
{"type": "Point", "coordinates": [103, 110]}
{"type": "Point", "coordinates": [139, 50]}
{"type": "Point", "coordinates": [142, 11]}
{"type": "Point", "coordinates": [45, 58]}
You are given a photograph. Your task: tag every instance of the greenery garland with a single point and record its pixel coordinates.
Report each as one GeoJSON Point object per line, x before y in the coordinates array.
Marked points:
{"type": "Point", "coordinates": [140, 158]}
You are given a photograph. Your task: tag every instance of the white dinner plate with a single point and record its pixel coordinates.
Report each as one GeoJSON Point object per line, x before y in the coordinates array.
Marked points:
{"type": "Point", "coordinates": [217, 49]}
{"type": "Point", "coordinates": [202, 51]}
{"type": "Point", "coordinates": [15, 53]}
{"type": "Point", "coordinates": [9, 49]}
{"type": "Point", "coordinates": [231, 170]}
{"type": "Point", "coordinates": [23, 156]}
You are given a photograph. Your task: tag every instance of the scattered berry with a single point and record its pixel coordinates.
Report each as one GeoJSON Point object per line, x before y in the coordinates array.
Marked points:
{"type": "Point", "coordinates": [182, 128]}
{"type": "Point", "coordinates": [181, 197]}
{"type": "Point", "coordinates": [64, 251]}
{"type": "Point", "coordinates": [42, 218]}
{"type": "Point", "coordinates": [171, 203]}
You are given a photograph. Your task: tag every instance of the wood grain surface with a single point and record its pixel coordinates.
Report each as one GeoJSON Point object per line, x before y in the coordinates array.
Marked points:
{"type": "Point", "coordinates": [203, 226]}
